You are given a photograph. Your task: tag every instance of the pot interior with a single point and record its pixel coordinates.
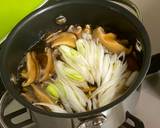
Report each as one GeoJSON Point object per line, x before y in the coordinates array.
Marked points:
{"type": "Point", "coordinates": [109, 15]}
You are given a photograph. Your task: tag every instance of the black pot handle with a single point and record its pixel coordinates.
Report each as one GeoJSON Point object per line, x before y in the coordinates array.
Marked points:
{"type": "Point", "coordinates": [155, 64]}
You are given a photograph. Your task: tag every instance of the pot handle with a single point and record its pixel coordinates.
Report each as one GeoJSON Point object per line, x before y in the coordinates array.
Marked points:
{"type": "Point", "coordinates": [155, 64]}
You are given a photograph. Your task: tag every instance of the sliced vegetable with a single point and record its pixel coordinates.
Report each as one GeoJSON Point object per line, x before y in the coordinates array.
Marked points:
{"type": "Point", "coordinates": [103, 88]}
{"type": "Point", "coordinates": [70, 76]}
{"type": "Point", "coordinates": [89, 105]}
{"type": "Point", "coordinates": [106, 66]}
{"type": "Point", "coordinates": [109, 41]}
{"type": "Point", "coordinates": [76, 30]}
{"type": "Point", "coordinates": [82, 48]}
{"type": "Point", "coordinates": [49, 68]}
{"type": "Point", "coordinates": [41, 95]}
{"type": "Point", "coordinates": [77, 61]}
{"type": "Point", "coordinates": [113, 76]}
{"type": "Point", "coordinates": [63, 96]}
{"type": "Point", "coordinates": [86, 33]}
{"type": "Point", "coordinates": [99, 63]}
{"type": "Point", "coordinates": [30, 97]}
{"type": "Point", "coordinates": [80, 95]}
{"type": "Point", "coordinates": [31, 73]}
{"type": "Point", "coordinates": [52, 36]}
{"type": "Point", "coordinates": [131, 78]}
{"type": "Point", "coordinates": [69, 72]}
{"type": "Point", "coordinates": [74, 102]}
{"type": "Point", "coordinates": [87, 29]}
{"type": "Point", "coordinates": [63, 38]}
{"type": "Point", "coordinates": [107, 97]}
{"type": "Point", "coordinates": [52, 90]}
{"type": "Point", "coordinates": [94, 103]}
{"type": "Point", "coordinates": [111, 93]}
{"type": "Point", "coordinates": [94, 53]}
{"type": "Point", "coordinates": [52, 107]}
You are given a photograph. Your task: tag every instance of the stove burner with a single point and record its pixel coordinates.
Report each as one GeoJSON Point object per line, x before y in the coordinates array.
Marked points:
{"type": "Point", "coordinates": [6, 119]}
{"type": "Point", "coordinates": [137, 122]}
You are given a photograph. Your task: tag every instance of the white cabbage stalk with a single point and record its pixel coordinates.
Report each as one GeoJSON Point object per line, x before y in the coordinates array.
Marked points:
{"type": "Point", "coordinates": [73, 100]}
{"type": "Point", "coordinates": [118, 69]}
{"type": "Point", "coordinates": [76, 61]}
{"type": "Point", "coordinates": [87, 50]}
{"type": "Point", "coordinates": [106, 65]}
{"type": "Point", "coordinates": [63, 96]}
{"type": "Point", "coordinates": [94, 54]}
{"type": "Point", "coordinates": [131, 78]}
{"type": "Point", "coordinates": [80, 95]}
{"type": "Point", "coordinates": [111, 93]}
{"type": "Point", "coordinates": [82, 47]}
{"type": "Point", "coordinates": [69, 75]}
{"type": "Point", "coordinates": [89, 105]}
{"type": "Point", "coordinates": [86, 36]}
{"type": "Point", "coordinates": [107, 97]}
{"type": "Point", "coordinates": [113, 76]}
{"type": "Point", "coordinates": [69, 72]}
{"type": "Point", "coordinates": [99, 63]}
{"type": "Point", "coordinates": [94, 102]}
{"type": "Point", "coordinates": [52, 107]}
{"type": "Point", "coordinates": [100, 90]}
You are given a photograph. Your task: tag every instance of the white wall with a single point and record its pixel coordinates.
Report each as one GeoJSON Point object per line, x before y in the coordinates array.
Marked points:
{"type": "Point", "coordinates": [150, 10]}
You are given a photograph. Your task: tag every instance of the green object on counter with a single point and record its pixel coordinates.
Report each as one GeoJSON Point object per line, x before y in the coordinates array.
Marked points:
{"type": "Point", "coordinates": [12, 11]}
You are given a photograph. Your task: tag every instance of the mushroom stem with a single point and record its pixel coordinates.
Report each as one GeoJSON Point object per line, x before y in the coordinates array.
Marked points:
{"type": "Point", "coordinates": [87, 29]}
{"type": "Point", "coordinates": [76, 30]}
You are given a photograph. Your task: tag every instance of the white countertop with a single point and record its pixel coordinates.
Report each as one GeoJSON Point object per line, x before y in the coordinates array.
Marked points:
{"type": "Point", "coordinates": [148, 107]}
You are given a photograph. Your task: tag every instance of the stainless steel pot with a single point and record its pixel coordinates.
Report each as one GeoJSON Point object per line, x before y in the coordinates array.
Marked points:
{"type": "Point", "coordinates": [18, 116]}
{"type": "Point", "coordinates": [103, 12]}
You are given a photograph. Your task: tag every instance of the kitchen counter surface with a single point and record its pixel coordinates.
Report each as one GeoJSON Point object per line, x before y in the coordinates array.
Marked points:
{"type": "Point", "coordinates": [148, 107]}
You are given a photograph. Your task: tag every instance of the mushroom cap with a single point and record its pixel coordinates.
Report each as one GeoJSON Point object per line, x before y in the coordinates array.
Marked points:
{"type": "Point", "coordinates": [63, 38]}
{"type": "Point", "coordinates": [109, 41]}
